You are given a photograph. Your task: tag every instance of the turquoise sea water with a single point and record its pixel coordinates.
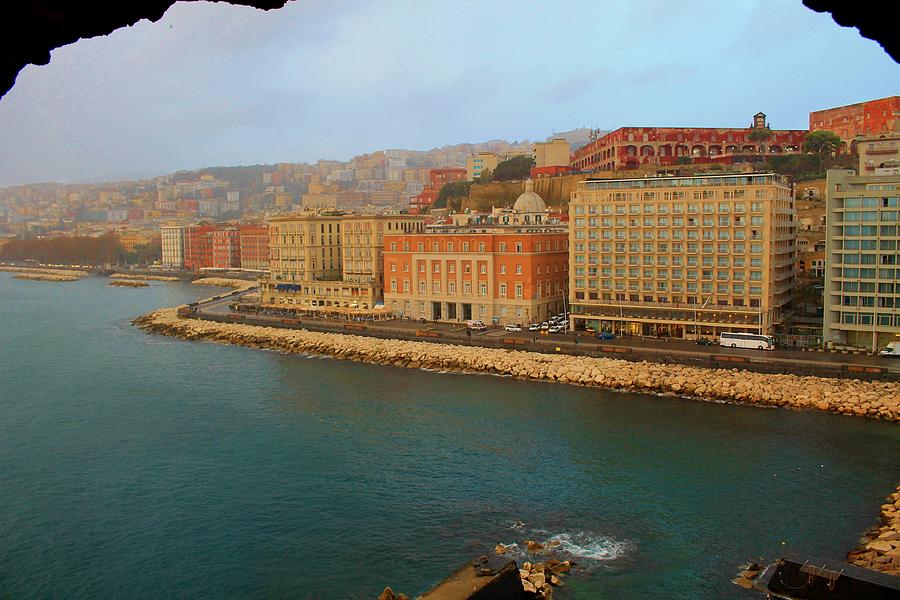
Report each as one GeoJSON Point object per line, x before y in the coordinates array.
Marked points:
{"type": "Point", "coordinates": [138, 466]}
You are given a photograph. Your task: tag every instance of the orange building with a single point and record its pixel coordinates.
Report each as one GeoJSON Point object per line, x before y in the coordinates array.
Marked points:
{"type": "Point", "coordinates": [863, 118]}
{"type": "Point", "coordinates": [254, 246]}
{"type": "Point", "coordinates": [198, 246]}
{"type": "Point", "coordinates": [496, 274]}
{"type": "Point", "coordinates": [510, 267]}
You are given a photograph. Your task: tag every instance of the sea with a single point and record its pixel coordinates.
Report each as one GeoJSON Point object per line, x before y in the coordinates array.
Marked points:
{"type": "Point", "coordinates": [140, 466]}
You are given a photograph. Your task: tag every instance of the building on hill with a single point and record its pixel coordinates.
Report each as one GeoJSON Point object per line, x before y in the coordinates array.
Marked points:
{"type": "Point", "coordinates": [629, 148]}
{"type": "Point", "coordinates": [682, 257]}
{"type": "Point", "coordinates": [198, 247]}
{"type": "Point", "coordinates": [172, 246]}
{"type": "Point", "coordinates": [254, 246]}
{"type": "Point", "coordinates": [226, 248]}
{"type": "Point", "coordinates": [550, 158]}
{"type": "Point", "coordinates": [476, 164]}
{"type": "Point", "coordinates": [867, 118]}
{"type": "Point", "coordinates": [438, 178]}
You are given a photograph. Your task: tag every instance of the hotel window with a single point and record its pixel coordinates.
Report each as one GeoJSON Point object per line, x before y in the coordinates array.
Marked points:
{"type": "Point", "coordinates": [422, 287]}
{"type": "Point", "coordinates": [465, 246]}
{"type": "Point", "coordinates": [436, 267]}
{"type": "Point", "coordinates": [518, 269]}
{"type": "Point", "coordinates": [421, 266]}
{"type": "Point", "coordinates": [502, 292]}
{"type": "Point", "coordinates": [434, 246]}
{"type": "Point", "coordinates": [481, 246]}
{"type": "Point", "coordinates": [406, 286]}
{"type": "Point", "coordinates": [449, 246]}
{"type": "Point", "coordinates": [393, 267]}
{"type": "Point", "coordinates": [482, 289]}
{"type": "Point", "coordinates": [518, 246]}
{"type": "Point", "coordinates": [503, 269]}
{"type": "Point", "coordinates": [394, 285]}
{"type": "Point", "coordinates": [451, 267]}
{"type": "Point", "coordinates": [393, 246]}
{"type": "Point", "coordinates": [467, 287]}
{"type": "Point", "coordinates": [502, 246]}
{"type": "Point", "coordinates": [482, 268]}
{"type": "Point", "coordinates": [467, 268]}
{"type": "Point", "coordinates": [436, 287]}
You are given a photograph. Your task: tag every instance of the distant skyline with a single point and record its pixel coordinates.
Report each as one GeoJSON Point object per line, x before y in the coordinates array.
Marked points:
{"type": "Point", "coordinates": [222, 85]}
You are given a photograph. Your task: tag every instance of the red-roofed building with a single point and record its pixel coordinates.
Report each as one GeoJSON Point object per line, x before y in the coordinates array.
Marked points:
{"type": "Point", "coordinates": [863, 118]}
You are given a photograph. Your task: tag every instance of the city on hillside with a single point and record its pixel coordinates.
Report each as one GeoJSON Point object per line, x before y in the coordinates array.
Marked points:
{"type": "Point", "coordinates": [673, 232]}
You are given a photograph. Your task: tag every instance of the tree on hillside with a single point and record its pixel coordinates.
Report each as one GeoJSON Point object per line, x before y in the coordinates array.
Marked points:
{"type": "Point", "coordinates": [517, 167]}
{"type": "Point", "coordinates": [452, 190]}
{"type": "Point", "coordinates": [485, 177]}
{"type": "Point", "coordinates": [760, 135]}
{"type": "Point", "coordinates": [821, 142]}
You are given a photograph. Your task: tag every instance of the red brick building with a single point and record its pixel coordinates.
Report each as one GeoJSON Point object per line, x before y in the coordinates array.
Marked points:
{"type": "Point", "coordinates": [501, 275]}
{"type": "Point", "coordinates": [254, 246]}
{"type": "Point", "coordinates": [636, 147]}
{"type": "Point", "coordinates": [226, 248]}
{"type": "Point", "coordinates": [863, 118]}
{"type": "Point", "coordinates": [198, 246]}
{"type": "Point", "coordinates": [438, 178]}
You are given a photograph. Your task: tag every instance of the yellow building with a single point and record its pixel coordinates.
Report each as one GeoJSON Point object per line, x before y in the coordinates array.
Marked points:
{"type": "Point", "coordinates": [132, 238]}
{"type": "Point", "coordinates": [330, 259]}
{"type": "Point", "coordinates": [554, 153]}
{"type": "Point", "coordinates": [682, 256]}
{"type": "Point", "coordinates": [476, 164]}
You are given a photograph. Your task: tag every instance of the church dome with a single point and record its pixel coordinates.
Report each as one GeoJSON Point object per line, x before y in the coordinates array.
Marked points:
{"type": "Point", "coordinates": [529, 201]}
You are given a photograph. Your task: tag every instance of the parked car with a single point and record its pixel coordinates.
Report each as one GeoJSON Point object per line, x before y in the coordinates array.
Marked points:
{"type": "Point", "coordinates": [545, 325]}
{"type": "Point", "coordinates": [476, 325]}
{"type": "Point", "coordinates": [513, 328]}
{"type": "Point", "coordinates": [556, 329]}
{"type": "Point", "coordinates": [705, 342]}
{"type": "Point", "coordinates": [606, 335]}
{"type": "Point", "coordinates": [534, 327]}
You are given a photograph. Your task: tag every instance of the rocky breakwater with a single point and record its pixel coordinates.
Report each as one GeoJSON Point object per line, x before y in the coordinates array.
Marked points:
{"type": "Point", "coordinates": [873, 399]}
{"type": "Point", "coordinates": [129, 283]}
{"type": "Point", "coordinates": [237, 284]}
{"type": "Point", "coordinates": [880, 547]}
{"type": "Point", "coordinates": [45, 277]}
{"type": "Point", "coordinates": [143, 277]}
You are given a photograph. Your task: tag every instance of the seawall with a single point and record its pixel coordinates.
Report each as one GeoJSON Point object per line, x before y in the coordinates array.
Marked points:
{"type": "Point", "coordinates": [873, 399]}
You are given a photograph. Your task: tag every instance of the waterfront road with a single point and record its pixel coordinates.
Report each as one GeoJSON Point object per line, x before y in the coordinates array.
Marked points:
{"type": "Point", "coordinates": [661, 350]}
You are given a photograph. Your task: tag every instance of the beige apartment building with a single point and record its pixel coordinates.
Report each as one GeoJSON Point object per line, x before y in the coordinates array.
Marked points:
{"type": "Point", "coordinates": [682, 257]}
{"type": "Point", "coordinates": [330, 259]}
{"type": "Point", "coordinates": [476, 164]}
{"type": "Point", "coordinates": [554, 153]}
{"type": "Point", "coordinates": [862, 251]}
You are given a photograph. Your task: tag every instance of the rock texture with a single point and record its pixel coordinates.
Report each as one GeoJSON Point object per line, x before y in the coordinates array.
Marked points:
{"type": "Point", "coordinates": [45, 277]}
{"type": "Point", "coordinates": [144, 277]}
{"type": "Point", "coordinates": [880, 547]}
{"type": "Point", "coordinates": [128, 283]}
{"type": "Point", "coordinates": [238, 284]}
{"type": "Point", "coordinates": [873, 399]}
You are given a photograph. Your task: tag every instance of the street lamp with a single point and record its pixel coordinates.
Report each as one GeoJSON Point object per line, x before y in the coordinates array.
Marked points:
{"type": "Point", "coordinates": [696, 324]}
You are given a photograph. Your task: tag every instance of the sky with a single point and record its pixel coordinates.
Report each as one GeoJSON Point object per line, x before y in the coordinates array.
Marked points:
{"type": "Point", "coordinates": [221, 85]}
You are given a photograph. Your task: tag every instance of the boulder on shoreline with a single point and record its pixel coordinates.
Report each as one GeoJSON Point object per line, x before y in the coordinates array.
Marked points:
{"type": "Point", "coordinates": [880, 548]}
{"type": "Point", "coordinates": [45, 277]}
{"type": "Point", "coordinates": [237, 284]}
{"type": "Point", "coordinates": [129, 283]}
{"type": "Point", "coordinates": [872, 399]}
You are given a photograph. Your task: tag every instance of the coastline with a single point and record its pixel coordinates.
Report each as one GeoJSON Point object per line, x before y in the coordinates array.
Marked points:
{"type": "Point", "coordinates": [880, 547]}
{"type": "Point", "coordinates": [872, 399]}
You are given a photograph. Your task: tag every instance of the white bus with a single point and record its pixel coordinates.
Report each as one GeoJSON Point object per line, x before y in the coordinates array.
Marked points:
{"type": "Point", "coordinates": [747, 340]}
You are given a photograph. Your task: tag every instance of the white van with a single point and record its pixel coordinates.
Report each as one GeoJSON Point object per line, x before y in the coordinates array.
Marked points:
{"type": "Point", "coordinates": [892, 349]}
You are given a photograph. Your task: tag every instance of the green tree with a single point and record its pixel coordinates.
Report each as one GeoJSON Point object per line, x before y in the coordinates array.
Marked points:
{"type": "Point", "coordinates": [760, 134]}
{"type": "Point", "coordinates": [485, 177]}
{"type": "Point", "coordinates": [823, 143]}
{"type": "Point", "coordinates": [517, 167]}
{"type": "Point", "coordinates": [451, 191]}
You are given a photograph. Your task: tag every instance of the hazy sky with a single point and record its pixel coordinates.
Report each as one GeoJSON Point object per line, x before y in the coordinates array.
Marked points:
{"type": "Point", "coordinates": [215, 84]}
